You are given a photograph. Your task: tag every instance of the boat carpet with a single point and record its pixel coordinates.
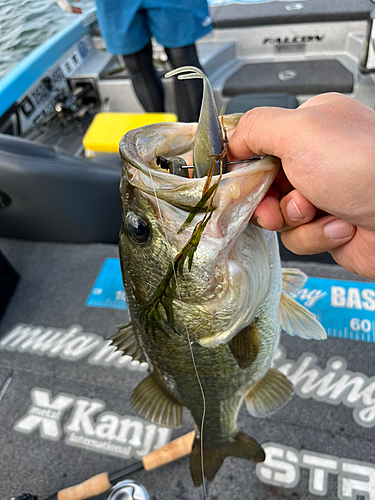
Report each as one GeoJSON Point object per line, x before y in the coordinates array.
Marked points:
{"type": "Point", "coordinates": [64, 396]}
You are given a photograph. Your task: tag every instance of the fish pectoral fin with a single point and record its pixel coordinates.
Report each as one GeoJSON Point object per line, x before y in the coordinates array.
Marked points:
{"type": "Point", "coordinates": [269, 394]}
{"type": "Point", "coordinates": [292, 280]}
{"type": "Point", "coordinates": [297, 320]}
{"type": "Point", "coordinates": [126, 341]}
{"type": "Point", "coordinates": [245, 346]}
{"type": "Point", "coordinates": [240, 446]}
{"type": "Point", "coordinates": [153, 403]}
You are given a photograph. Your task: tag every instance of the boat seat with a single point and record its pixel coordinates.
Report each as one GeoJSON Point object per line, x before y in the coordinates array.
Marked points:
{"type": "Point", "coordinates": [294, 77]}
{"type": "Point", "coordinates": [244, 102]}
{"type": "Point", "coordinates": [48, 195]}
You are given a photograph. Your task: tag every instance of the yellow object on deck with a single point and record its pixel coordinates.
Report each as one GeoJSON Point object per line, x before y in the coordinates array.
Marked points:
{"type": "Point", "coordinates": [107, 129]}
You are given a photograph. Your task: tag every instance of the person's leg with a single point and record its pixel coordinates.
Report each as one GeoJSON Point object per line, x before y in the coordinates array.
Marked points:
{"type": "Point", "coordinates": [177, 28]}
{"type": "Point", "coordinates": [146, 82]}
{"type": "Point", "coordinates": [188, 92]}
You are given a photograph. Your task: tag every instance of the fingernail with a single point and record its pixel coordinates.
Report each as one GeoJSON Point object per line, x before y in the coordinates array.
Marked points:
{"type": "Point", "coordinates": [338, 229]}
{"type": "Point", "coordinates": [292, 211]}
{"type": "Point", "coordinates": [259, 222]}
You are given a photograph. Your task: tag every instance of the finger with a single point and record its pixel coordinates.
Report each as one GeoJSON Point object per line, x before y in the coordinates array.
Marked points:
{"type": "Point", "coordinates": [357, 255]}
{"type": "Point", "coordinates": [293, 211]}
{"type": "Point", "coordinates": [267, 215]}
{"type": "Point", "coordinates": [296, 210]}
{"type": "Point", "coordinates": [320, 235]}
{"type": "Point", "coordinates": [76, 10]}
{"type": "Point", "coordinates": [282, 183]}
{"type": "Point", "coordinates": [258, 132]}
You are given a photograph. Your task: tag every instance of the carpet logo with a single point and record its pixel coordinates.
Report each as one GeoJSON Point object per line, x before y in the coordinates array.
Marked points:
{"type": "Point", "coordinates": [89, 426]}
{"type": "Point", "coordinates": [72, 344]}
{"type": "Point", "coordinates": [333, 385]}
{"type": "Point", "coordinates": [283, 465]}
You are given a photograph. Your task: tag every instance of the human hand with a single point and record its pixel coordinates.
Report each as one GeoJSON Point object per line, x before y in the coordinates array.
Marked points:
{"type": "Point", "coordinates": [324, 198]}
{"type": "Point", "coordinates": [65, 6]}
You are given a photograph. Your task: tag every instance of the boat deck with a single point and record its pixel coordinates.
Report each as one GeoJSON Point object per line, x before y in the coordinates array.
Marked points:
{"type": "Point", "coordinates": [64, 398]}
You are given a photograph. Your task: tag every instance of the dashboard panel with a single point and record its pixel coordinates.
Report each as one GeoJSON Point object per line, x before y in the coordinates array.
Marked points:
{"type": "Point", "coordinates": [38, 105]}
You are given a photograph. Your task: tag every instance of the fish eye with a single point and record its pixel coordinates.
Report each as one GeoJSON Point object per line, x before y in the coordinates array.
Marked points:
{"type": "Point", "coordinates": [138, 229]}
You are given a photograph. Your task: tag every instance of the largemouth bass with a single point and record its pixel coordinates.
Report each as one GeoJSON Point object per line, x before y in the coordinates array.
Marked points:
{"type": "Point", "coordinates": [206, 304]}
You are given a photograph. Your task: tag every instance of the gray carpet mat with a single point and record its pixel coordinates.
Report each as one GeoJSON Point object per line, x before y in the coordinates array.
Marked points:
{"type": "Point", "coordinates": [64, 395]}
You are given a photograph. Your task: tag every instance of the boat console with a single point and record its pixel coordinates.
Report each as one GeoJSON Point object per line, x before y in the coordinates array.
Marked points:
{"type": "Point", "coordinates": [61, 100]}
{"type": "Point", "coordinates": [301, 48]}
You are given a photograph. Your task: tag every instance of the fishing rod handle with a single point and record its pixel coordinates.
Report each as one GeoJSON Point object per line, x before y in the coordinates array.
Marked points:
{"type": "Point", "coordinates": [168, 453]}
{"type": "Point", "coordinates": [93, 486]}
{"type": "Point", "coordinates": [100, 483]}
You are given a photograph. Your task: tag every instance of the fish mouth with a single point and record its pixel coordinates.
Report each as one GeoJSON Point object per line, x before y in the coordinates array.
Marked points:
{"type": "Point", "coordinates": [239, 191]}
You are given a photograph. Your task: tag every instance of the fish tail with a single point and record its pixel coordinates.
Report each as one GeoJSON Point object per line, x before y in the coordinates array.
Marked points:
{"type": "Point", "coordinates": [239, 446]}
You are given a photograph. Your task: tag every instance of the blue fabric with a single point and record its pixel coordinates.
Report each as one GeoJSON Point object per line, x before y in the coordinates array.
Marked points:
{"type": "Point", "coordinates": [127, 25]}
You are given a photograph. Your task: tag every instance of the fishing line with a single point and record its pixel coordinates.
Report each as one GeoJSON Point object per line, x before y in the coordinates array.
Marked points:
{"type": "Point", "coordinates": [5, 386]}
{"type": "Point", "coordinates": [188, 337]}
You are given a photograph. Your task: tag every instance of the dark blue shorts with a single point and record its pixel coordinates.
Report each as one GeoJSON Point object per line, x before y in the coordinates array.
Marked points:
{"type": "Point", "coordinates": [128, 25]}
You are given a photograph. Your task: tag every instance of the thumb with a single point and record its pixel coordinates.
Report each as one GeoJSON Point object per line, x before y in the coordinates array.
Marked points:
{"type": "Point", "coordinates": [259, 131]}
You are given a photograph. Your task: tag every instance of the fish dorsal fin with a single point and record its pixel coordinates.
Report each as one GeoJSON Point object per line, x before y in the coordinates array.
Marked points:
{"type": "Point", "coordinates": [297, 320]}
{"type": "Point", "coordinates": [245, 346]}
{"type": "Point", "coordinates": [126, 341]}
{"type": "Point", "coordinates": [292, 280]}
{"type": "Point", "coordinates": [269, 394]}
{"type": "Point", "coordinates": [153, 403]}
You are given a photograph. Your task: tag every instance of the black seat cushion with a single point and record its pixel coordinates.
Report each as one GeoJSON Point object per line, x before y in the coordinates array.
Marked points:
{"type": "Point", "coordinates": [50, 195]}
{"type": "Point", "coordinates": [294, 77]}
